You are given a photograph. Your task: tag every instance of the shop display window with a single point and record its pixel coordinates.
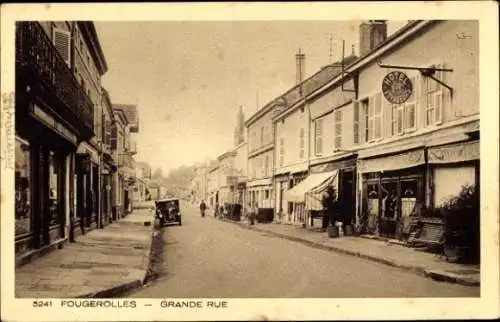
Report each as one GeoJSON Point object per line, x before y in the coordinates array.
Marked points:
{"type": "Point", "coordinates": [54, 176]}
{"type": "Point", "coordinates": [23, 186]}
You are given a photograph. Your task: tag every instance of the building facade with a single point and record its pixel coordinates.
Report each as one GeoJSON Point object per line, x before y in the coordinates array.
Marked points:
{"type": "Point", "coordinates": [108, 163]}
{"type": "Point", "coordinates": [395, 157]}
{"type": "Point", "coordinates": [54, 114]}
{"type": "Point", "coordinates": [213, 184]}
{"type": "Point", "coordinates": [260, 146]}
{"type": "Point", "coordinates": [416, 154]}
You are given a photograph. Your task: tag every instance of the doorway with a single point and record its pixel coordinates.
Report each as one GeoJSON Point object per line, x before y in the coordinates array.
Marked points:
{"type": "Point", "coordinates": [347, 194]}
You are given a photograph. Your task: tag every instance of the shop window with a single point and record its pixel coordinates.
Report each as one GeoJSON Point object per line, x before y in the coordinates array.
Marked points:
{"type": "Point", "coordinates": [372, 206]}
{"type": "Point", "coordinates": [409, 196]}
{"type": "Point", "coordinates": [54, 175]}
{"type": "Point", "coordinates": [24, 224]}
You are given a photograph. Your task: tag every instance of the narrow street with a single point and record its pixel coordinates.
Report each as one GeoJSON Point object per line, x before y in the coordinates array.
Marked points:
{"type": "Point", "coordinates": [206, 257]}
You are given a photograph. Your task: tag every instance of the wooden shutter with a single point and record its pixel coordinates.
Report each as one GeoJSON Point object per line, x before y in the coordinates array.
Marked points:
{"type": "Point", "coordinates": [377, 116]}
{"type": "Point", "coordinates": [319, 136]}
{"type": "Point", "coordinates": [62, 42]}
{"type": "Point", "coordinates": [107, 131]}
{"type": "Point", "coordinates": [356, 123]}
{"type": "Point", "coordinates": [114, 137]}
{"type": "Point", "coordinates": [338, 129]}
{"type": "Point", "coordinates": [371, 117]}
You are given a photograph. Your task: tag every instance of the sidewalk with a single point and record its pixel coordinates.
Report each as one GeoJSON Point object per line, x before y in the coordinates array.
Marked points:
{"type": "Point", "coordinates": [423, 263]}
{"type": "Point", "coordinates": [101, 263]}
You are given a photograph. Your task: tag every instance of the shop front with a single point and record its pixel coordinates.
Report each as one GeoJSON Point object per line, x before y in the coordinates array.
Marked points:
{"type": "Point", "coordinates": [260, 194]}
{"type": "Point", "coordinates": [345, 186]}
{"type": "Point", "coordinates": [108, 168]}
{"type": "Point", "coordinates": [392, 192]}
{"type": "Point", "coordinates": [44, 156]}
{"type": "Point", "coordinates": [87, 189]}
{"type": "Point", "coordinates": [306, 195]}
{"type": "Point", "coordinates": [454, 166]}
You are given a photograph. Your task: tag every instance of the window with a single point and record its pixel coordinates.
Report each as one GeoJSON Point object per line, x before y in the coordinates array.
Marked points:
{"type": "Point", "coordinates": [372, 110]}
{"type": "Point", "coordinates": [62, 42]}
{"type": "Point", "coordinates": [338, 129]}
{"type": "Point", "coordinates": [282, 151]}
{"type": "Point", "coordinates": [403, 118]}
{"type": "Point", "coordinates": [366, 119]}
{"type": "Point", "coordinates": [318, 137]}
{"type": "Point", "coordinates": [356, 123]}
{"type": "Point", "coordinates": [434, 98]}
{"type": "Point", "coordinates": [301, 143]}
{"type": "Point", "coordinates": [24, 224]}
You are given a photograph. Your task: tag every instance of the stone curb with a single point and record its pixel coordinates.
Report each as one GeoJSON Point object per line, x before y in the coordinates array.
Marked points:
{"type": "Point", "coordinates": [433, 274]}
{"type": "Point", "coordinates": [125, 287]}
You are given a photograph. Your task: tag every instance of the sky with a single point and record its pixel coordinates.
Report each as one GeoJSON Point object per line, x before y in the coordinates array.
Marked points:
{"type": "Point", "coordinates": [189, 78]}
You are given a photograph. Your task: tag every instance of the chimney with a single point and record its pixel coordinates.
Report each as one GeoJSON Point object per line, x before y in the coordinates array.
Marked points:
{"type": "Point", "coordinates": [301, 61]}
{"type": "Point", "coordinates": [371, 34]}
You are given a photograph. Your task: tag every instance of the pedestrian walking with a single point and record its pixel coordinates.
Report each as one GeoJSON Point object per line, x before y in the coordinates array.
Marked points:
{"type": "Point", "coordinates": [203, 207]}
{"type": "Point", "coordinates": [216, 209]}
{"type": "Point", "coordinates": [253, 212]}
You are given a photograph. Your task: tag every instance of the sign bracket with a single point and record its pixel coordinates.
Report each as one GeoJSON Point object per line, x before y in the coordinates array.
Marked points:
{"type": "Point", "coordinates": [426, 71]}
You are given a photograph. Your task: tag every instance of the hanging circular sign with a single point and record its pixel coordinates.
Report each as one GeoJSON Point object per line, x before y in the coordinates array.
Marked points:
{"type": "Point", "coordinates": [397, 87]}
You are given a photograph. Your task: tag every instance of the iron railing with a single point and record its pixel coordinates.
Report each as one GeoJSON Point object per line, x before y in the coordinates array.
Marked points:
{"type": "Point", "coordinates": [36, 53]}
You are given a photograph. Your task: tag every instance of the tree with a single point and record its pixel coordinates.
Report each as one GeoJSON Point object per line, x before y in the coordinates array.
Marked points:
{"type": "Point", "coordinates": [158, 173]}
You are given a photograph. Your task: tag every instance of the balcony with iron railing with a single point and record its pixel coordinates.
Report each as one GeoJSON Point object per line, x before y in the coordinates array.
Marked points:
{"type": "Point", "coordinates": [40, 66]}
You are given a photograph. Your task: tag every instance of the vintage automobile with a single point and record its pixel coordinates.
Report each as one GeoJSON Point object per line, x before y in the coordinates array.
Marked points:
{"type": "Point", "coordinates": [168, 211]}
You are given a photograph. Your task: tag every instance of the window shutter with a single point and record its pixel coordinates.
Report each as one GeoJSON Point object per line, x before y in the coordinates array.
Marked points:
{"type": "Point", "coordinates": [356, 128]}
{"type": "Point", "coordinates": [107, 139]}
{"type": "Point", "coordinates": [400, 121]}
{"type": "Point", "coordinates": [338, 129]}
{"type": "Point", "coordinates": [438, 107]}
{"type": "Point", "coordinates": [377, 118]}
{"type": "Point", "coordinates": [114, 138]}
{"type": "Point", "coordinates": [371, 117]}
{"type": "Point", "coordinates": [62, 42]}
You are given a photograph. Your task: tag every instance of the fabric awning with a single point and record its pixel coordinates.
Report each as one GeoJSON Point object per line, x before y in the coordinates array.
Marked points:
{"type": "Point", "coordinates": [312, 184]}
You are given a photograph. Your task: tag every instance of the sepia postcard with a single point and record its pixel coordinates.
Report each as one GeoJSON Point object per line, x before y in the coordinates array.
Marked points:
{"type": "Point", "coordinates": [249, 161]}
